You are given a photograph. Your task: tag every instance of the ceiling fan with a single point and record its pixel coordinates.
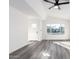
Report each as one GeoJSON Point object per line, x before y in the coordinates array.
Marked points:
{"type": "Point", "coordinates": [56, 3]}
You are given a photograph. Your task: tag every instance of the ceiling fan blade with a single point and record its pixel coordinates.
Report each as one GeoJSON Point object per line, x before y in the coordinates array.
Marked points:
{"type": "Point", "coordinates": [49, 1]}
{"type": "Point", "coordinates": [63, 3]}
{"type": "Point", "coordinates": [51, 7]}
{"type": "Point", "coordinates": [56, 0]}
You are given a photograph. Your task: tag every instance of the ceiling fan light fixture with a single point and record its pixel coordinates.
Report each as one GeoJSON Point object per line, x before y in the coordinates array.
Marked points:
{"type": "Point", "coordinates": [56, 7]}
{"type": "Point", "coordinates": [56, 4]}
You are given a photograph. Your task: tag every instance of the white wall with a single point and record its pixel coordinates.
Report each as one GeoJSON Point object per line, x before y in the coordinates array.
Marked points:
{"type": "Point", "coordinates": [18, 29]}
{"type": "Point", "coordinates": [21, 29]}
{"type": "Point", "coordinates": [34, 33]}
{"type": "Point", "coordinates": [53, 20]}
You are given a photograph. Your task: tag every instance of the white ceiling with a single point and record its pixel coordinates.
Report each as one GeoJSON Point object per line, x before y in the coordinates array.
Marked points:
{"type": "Point", "coordinates": [39, 7]}
{"type": "Point", "coordinates": [63, 13]}
{"type": "Point", "coordinates": [23, 7]}
{"type": "Point", "coordinates": [42, 9]}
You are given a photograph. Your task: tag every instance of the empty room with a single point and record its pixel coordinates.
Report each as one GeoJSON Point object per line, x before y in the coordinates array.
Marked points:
{"type": "Point", "coordinates": [39, 29]}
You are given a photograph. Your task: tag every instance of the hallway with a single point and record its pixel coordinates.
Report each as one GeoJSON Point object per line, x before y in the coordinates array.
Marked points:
{"type": "Point", "coordinates": [45, 49]}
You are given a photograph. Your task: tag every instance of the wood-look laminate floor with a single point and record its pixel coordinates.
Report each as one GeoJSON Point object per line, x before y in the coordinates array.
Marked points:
{"type": "Point", "coordinates": [42, 50]}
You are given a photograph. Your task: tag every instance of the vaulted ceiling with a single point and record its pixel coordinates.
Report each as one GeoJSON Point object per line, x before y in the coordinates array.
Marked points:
{"type": "Point", "coordinates": [40, 8]}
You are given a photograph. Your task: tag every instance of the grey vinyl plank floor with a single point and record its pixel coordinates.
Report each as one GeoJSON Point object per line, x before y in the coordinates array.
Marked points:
{"type": "Point", "coordinates": [42, 50]}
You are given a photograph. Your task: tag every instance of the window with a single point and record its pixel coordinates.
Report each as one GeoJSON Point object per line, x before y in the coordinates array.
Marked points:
{"type": "Point", "coordinates": [55, 28]}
